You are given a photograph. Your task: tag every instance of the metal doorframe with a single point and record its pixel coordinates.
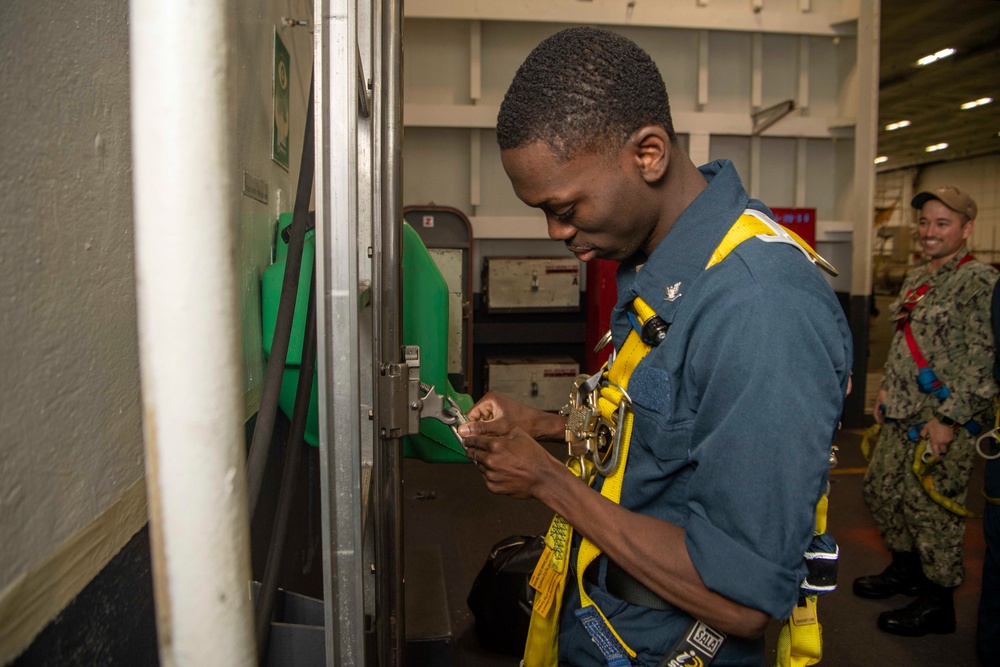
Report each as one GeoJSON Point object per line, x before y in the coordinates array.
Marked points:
{"type": "Point", "coordinates": [339, 364]}
{"type": "Point", "coordinates": [388, 505]}
{"type": "Point", "coordinates": [358, 61]}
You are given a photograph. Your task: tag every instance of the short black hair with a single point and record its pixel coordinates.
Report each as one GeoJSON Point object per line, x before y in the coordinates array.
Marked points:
{"type": "Point", "coordinates": [583, 89]}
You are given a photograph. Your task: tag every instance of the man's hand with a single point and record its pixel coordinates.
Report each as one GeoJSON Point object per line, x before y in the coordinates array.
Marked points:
{"type": "Point", "coordinates": [511, 462]}
{"type": "Point", "coordinates": [505, 413]}
{"type": "Point", "coordinates": [940, 436]}
{"type": "Point", "coordinates": [880, 399]}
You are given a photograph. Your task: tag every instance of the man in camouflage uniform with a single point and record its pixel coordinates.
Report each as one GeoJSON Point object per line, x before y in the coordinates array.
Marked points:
{"type": "Point", "coordinates": [947, 305]}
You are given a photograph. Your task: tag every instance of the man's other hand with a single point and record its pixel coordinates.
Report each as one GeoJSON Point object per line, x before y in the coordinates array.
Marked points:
{"type": "Point", "coordinates": [940, 436]}
{"type": "Point", "coordinates": [505, 413]}
{"type": "Point", "coordinates": [511, 462]}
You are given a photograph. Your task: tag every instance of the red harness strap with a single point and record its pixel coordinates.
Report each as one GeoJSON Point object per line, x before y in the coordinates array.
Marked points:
{"type": "Point", "coordinates": [913, 297]}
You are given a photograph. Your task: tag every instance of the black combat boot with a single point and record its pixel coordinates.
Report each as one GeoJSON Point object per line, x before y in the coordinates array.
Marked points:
{"type": "Point", "coordinates": [933, 611]}
{"type": "Point", "coordinates": [903, 576]}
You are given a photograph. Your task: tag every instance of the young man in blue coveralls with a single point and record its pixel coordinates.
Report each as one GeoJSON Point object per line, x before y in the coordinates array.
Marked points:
{"type": "Point", "coordinates": [733, 412]}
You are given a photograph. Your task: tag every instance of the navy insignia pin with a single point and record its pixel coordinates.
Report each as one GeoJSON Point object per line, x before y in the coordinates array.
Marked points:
{"type": "Point", "coordinates": [673, 292]}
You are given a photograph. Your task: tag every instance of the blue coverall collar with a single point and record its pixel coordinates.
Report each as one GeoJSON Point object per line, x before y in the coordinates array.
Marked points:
{"type": "Point", "coordinates": [685, 250]}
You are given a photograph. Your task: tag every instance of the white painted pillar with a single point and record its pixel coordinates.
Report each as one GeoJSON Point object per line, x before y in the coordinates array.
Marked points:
{"type": "Point", "coordinates": [185, 236]}
{"type": "Point", "coordinates": [865, 147]}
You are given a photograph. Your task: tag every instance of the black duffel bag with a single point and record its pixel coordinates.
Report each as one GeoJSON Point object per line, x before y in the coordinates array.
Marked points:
{"type": "Point", "coordinates": [501, 597]}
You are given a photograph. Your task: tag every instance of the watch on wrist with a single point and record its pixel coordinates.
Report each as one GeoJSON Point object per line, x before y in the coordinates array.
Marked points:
{"type": "Point", "coordinates": [946, 420]}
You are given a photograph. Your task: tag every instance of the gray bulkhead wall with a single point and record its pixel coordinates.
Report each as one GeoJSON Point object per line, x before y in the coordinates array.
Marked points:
{"type": "Point", "coordinates": [74, 464]}
{"type": "Point", "coordinates": [721, 64]}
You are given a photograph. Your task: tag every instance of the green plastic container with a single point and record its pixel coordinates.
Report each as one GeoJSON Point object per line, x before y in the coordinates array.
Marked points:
{"type": "Point", "coordinates": [425, 323]}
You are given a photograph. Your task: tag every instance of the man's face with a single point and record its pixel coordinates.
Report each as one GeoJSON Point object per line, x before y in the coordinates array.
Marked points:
{"type": "Point", "coordinates": [596, 203]}
{"type": "Point", "coordinates": [941, 231]}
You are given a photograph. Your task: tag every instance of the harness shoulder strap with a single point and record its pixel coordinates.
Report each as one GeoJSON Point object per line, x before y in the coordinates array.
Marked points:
{"type": "Point", "coordinates": [612, 393]}
{"type": "Point", "coordinates": [755, 224]}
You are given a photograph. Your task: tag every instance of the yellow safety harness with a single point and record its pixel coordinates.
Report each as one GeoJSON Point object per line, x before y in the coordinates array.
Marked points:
{"type": "Point", "coordinates": [549, 577]}
{"type": "Point", "coordinates": [800, 642]}
{"type": "Point", "coordinates": [923, 461]}
{"type": "Point", "coordinates": [585, 437]}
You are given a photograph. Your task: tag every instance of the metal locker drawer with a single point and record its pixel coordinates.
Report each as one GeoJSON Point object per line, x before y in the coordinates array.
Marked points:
{"type": "Point", "coordinates": [526, 284]}
{"type": "Point", "coordinates": [543, 383]}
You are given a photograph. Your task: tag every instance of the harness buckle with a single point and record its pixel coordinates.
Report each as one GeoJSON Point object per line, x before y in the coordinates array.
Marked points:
{"type": "Point", "coordinates": [928, 383]}
{"type": "Point", "coordinates": [583, 421]}
{"type": "Point", "coordinates": [906, 307]}
{"type": "Point", "coordinates": [588, 433]}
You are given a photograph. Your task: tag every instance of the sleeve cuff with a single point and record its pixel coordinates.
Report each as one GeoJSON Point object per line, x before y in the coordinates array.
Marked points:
{"type": "Point", "coordinates": [735, 572]}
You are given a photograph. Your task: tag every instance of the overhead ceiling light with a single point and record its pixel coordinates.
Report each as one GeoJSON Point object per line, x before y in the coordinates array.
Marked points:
{"type": "Point", "coordinates": [934, 57]}
{"type": "Point", "coordinates": [976, 103]}
{"type": "Point", "coordinates": [936, 147]}
{"type": "Point", "coordinates": [880, 159]}
{"type": "Point", "coordinates": [896, 126]}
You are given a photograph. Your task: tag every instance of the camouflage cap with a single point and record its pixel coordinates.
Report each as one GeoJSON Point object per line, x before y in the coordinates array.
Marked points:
{"type": "Point", "coordinates": [952, 197]}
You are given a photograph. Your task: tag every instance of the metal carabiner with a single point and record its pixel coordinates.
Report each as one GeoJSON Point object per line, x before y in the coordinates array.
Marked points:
{"type": "Point", "coordinates": [927, 456]}
{"type": "Point", "coordinates": [615, 454]}
{"type": "Point", "coordinates": [601, 344]}
{"type": "Point", "coordinates": [442, 408]}
{"type": "Point", "coordinates": [995, 436]}
{"type": "Point", "coordinates": [456, 416]}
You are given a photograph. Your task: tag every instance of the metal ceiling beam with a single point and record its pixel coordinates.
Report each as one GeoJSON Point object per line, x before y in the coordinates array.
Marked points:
{"type": "Point", "coordinates": [943, 73]}
{"type": "Point", "coordinates": [930, 96]}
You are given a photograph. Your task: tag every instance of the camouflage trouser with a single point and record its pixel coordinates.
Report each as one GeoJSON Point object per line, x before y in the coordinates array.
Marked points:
{"type": "Point", "coordinates": [908, 517]}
